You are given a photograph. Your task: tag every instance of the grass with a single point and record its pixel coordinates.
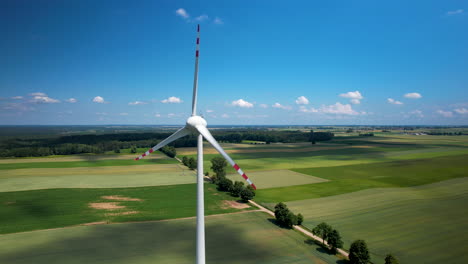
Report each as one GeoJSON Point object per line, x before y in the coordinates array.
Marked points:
{"type": "Point", "coordinates": [424, 224]}
{"type": "Point", "coordinates": [277, 178]}
{"type": "Point", "coordinates": [247, 238]}
{"type": "Point", "coordinates": [51, 208]}
{"type": "Point", "coordinates": [344, 179]}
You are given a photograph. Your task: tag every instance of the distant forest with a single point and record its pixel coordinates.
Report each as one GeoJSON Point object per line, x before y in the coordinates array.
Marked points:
{"type": "Point", "coordinates": [33, 146]}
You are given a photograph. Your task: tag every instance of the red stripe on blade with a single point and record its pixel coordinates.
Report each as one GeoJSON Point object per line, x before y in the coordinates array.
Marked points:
{"type": "Point", "coordinates": [253, 185]}
{"type": "Point", "coordinates": [137, 158]}
{"type": "Point", "coordinates": [244, 176]}
{"type": "Point", "coordinates": [198, 28]}
{"type": "Point", "coordinates": [236, 167]}
{"type": "Point", "coordinates": [144, 154]}
{"type": "Point", "coordinates": [151, 150]}
{"type": "Point", "coordinates": [196, 54]}
{"type": "Point", "coordinates": [198, 41]}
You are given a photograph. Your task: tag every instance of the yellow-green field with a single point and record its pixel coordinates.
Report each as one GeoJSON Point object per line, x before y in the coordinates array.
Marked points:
{"type": "Point", "coordinates": [278, 178]}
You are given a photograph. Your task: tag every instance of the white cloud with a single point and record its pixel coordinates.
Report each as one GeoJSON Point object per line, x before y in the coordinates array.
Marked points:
{"type": "Point", "coordinates": [171, 115]}
{"type": "Point", "coordinates": [306, 110]}
{"type": "Point", "coordinates": [123, 114]}
{"type": "Point", "coordinates": [44, 99]}
{"type": "Point", "coordinates": [354, 96]}
{"type": "Point", "coordinates": [201, 18]}
{"type": "Point", "coordinates": [338, 109]}
{"type": "Point", "coordinates": [209, 111]}
{"type": "Point", "coordinates": [455, 12]}
{"type": "Point", "coordinates": [157, 115]}
{"type": "Point", "coordinates": [218, 21]}
{"type": "Point", "coordinates": [302, 100]}
{"type": "Point", "coordinates": [263, 105]}
{"type": "Point", "coordinates": [225, 116]}
{"type": "Point", "coordinates": [444, 113]}
{"type": "Point", "coordinates": [418, 113]}
{"type": "Point", "coordinates": [242, 103]}
{"type": "Point", "coordinates": [101, 113]}
{"type": "Point", "coordinates": [18, 107]}
{"type": "Point", "coordinates": [71, 100]}
{"type": "Point", "coordinates": [278, 105]}
{"type": "Point", "coordinates": [393, 101]}
{"type": "Point", "coordinates": [99, 100]}
{"type": "Point", "coordinates": [413, 95]}
{"type": "Point", "coordinates": [38, 94]}
{"type": "Point", "coordinates": [172, 100]}
{"type": "Point", "coordinates": [17, 97]}
{"type": "Point", "coordinates": [182, 13]}
{"type": "Point", "coordinates": [461, 110]}
{"type": "Point", "coordinates": [137, 103]}
{"type": "Point", "coordinates": [335, 109]}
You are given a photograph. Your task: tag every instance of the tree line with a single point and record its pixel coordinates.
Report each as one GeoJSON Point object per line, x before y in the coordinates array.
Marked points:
{"type": "Point", "coordinates": [98, 144]}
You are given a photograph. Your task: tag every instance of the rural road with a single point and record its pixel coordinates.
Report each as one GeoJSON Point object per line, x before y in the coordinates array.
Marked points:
{"type": "Point", "coordinates": [298, 228]}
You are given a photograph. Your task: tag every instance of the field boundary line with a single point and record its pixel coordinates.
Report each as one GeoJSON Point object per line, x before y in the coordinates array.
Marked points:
{"type": "Point", "coordinates": [299, 228]}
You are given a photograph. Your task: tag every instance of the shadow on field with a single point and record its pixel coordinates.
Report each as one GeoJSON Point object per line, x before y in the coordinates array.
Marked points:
{"type": "Point", "coordinates": [36, 209]}
{"type": "Point", "coordinates": [320, 248]}
{"type": "Point", "coordinates": [156, 242]}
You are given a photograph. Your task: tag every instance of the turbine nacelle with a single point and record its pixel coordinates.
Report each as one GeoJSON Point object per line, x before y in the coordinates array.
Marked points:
{"type": "Point", "coordinates": [194, 121]}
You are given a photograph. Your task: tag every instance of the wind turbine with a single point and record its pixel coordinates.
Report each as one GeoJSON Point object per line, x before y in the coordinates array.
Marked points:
{"type": "Point", "coordinates": [197, 125]}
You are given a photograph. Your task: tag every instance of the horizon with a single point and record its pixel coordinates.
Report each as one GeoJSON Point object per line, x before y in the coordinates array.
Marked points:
{"type": "Point", "coordinates": [334, 64]}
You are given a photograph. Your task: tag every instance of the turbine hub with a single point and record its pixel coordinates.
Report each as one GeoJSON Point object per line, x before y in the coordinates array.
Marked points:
{"type": "Point", "coordinates": [194, 121]}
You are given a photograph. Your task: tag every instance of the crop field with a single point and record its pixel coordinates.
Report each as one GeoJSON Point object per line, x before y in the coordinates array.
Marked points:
{"type": "Point", "coordinates": [252, 239]}
{"type": "Point", "coordinates": [95, 177]}
{"type": "Point", "coordinates": [342, 151]}
{"type": "Point", "coordinates": [278, 178]}
{"type": "Point", "coordinates": [424, 224]}
{"type": "Point", "coordinates": [344, 179]}
{"type": "Point", "coordinates": [400, 193]}
{"type": "Point", "coordinates": [51, 208]}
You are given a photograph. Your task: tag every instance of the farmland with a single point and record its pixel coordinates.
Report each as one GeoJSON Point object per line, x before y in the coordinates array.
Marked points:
{"type": "Point", "coordinates": [412, 222]}
{"type": "Point", "coordinates": [51, 208]}
{"type": "Point", "coordinates": [397, 192]}
{"type": "Point", "coordinates": [252, 239]}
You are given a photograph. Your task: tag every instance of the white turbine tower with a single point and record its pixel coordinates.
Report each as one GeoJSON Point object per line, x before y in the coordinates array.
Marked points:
{"type": "Point", "coordinates": [197, 125]}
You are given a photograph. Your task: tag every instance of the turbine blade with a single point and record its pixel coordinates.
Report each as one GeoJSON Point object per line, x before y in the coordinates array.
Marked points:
{"type": "Point", "coordinates": [195, 78]}
{"type": "Point", "coordinates": [178, 134]}
{"type": "Point", "coordinates": [207, 135]}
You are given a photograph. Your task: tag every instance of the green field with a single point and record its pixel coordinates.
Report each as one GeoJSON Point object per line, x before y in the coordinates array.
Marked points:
{"type": "Point", "coordinates": [84, 163]}
{"type": "Point", "coordinates": [352, 178]}
{"type": "Point", "coordinates": [235, 238]}
{"type": "Point", "coordinates": [424, 224]}
{"type": "Point", "coordinates": [51, 208]}
{"type": "Point", "coordinates": [349, 151]}
{"type": "Point", "coordinates": [277, 178]}
{"type": "Point", "coordinates": [401, 193]}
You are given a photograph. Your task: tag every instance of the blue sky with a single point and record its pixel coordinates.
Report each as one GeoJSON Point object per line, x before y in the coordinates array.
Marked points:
{"type": "Point", "coordinates": [261, 62]}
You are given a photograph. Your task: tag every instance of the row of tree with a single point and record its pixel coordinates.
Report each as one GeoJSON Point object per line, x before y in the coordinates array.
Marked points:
{"type": "Point", "coordinates": [286, 218]}
{"type": "Point", "coordinates": [358, 251]}
{"type": "Point", "coordinates": [327, 233]}
{"type": "Point", "coordinates": [191, 163]}
{"type": "Point", "coordinates": [170, 151]}
{"type": "Point", "coordinates": [236, 189]}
